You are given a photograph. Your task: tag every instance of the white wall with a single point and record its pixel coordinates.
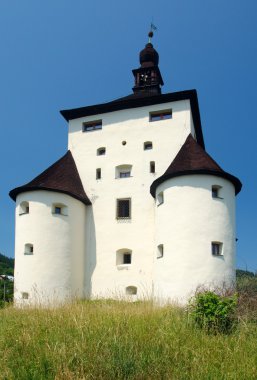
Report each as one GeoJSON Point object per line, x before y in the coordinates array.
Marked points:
{"type": "Point", "coordinates": [55, 271]}
{"type": "Point", "coordinates": [105, 235]}
{"type": "Point", "coordinates": [186, 224]}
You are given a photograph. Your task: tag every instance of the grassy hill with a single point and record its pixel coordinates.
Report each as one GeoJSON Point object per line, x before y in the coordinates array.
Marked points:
{"type": "Point", "coordinates": [117, 340]}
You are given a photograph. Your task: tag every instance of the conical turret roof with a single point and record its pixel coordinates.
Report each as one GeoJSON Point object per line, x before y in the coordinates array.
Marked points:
{"type": "Point", "coordinates": [61, 177]}
{"type": "Point", "coordinates": [192, 159]}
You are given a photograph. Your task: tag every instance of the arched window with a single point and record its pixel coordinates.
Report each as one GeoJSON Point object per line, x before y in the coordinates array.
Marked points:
{"type": "Point", "coordinates": [123, 256]}
{"type": "Point", "coordinates": [101, 151]}
{"type": "Point", "coordinates": [24, 208]}
{"type": "Point", "coordinates": [131, 290]}
{"type": "Point", "coordinates": [123, 171]}
{"type": "Point", "coordinates": [148, 145]}
{"type": "Point", "coordinates": [59, 209]}
{"type": "Point", "coordinates": [29, 249]}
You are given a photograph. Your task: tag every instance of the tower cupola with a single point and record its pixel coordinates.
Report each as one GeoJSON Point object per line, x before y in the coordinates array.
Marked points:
{"type": "Point", "coordinates": [148, 79]}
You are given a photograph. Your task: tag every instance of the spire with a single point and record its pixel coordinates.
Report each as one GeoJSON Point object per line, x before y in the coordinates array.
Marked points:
{"type": "Point", "coordinates": [148, 79]}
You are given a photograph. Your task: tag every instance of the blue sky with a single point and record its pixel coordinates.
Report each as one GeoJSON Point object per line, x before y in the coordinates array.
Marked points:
{"type": "Point", "coordinates": [58, 54]}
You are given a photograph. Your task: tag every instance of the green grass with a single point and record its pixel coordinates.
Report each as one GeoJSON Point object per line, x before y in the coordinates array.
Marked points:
{"type": "Point", "coordinates": [118, 340]}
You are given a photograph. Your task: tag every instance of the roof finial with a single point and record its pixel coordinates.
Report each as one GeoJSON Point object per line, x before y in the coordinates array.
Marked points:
{"type": "Point", "coordinates": [150, 34]}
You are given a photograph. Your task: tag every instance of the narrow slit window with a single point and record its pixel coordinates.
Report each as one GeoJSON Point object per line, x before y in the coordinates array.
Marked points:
{"type": "Point", "coordinates": [160, 251]}
{"type": "Point", "coordinates": [160, 115]}
{"type": "Point", "coordinates": [152, 167]}
{"type": "Point", "coordinates": [123, 210]}
{"type": "Point", "coordinates": [216, 248]}
{"type": "Point", "coordinates": [98, 173]}
{"type": "Point", "coordinates": [92, 126]}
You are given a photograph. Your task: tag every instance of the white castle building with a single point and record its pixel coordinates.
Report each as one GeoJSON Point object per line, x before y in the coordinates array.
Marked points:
{"type": "Point", "coordinates": [136, 207]}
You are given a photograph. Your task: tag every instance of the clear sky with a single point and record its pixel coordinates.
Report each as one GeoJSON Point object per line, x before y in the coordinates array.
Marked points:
{"type": "Point", "coordinates": [59, 54]}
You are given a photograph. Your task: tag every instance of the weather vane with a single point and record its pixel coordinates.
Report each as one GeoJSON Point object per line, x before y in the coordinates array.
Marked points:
{"type": "Point", "coordinates": [150, 34]}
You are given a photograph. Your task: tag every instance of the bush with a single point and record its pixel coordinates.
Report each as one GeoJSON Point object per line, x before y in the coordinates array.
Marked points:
{"type": "Point", "coordinates": [213, 312]}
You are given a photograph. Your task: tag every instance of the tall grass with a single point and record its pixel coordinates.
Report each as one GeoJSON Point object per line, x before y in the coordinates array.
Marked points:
{"type": "Point", "coordinates": [118, 340]}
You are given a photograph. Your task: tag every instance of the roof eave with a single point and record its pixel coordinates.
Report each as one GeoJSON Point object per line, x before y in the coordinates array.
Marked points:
{"type": "Point", "coordinates": [23, 189]}
{"type": "Point", "coordinates": [137, 102]}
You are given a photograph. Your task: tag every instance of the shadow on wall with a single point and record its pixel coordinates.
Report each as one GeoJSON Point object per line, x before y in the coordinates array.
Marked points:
{"type": "Point", "coordinates": [90, 255]}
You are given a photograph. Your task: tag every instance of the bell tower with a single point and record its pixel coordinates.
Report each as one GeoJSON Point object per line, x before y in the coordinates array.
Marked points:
{"type": "Point", "coordinates": [148, 79]}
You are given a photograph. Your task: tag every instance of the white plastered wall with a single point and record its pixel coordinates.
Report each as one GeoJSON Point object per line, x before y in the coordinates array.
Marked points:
{"type": "Point", "coordinates": [105, 235]}
{"type": "Point", "coordinates": [186, 224]}
{"type": "Point", "coordinates": [55, 270]}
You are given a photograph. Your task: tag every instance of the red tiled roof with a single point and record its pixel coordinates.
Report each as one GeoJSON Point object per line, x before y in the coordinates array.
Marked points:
{"type": "Point", "coordinates": [61, 177]}
{"type": "Point", "coordinates": [192, 159]}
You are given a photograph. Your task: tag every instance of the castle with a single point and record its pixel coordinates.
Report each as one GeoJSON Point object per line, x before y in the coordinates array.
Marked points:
{"type": "Point", "coordinates": [135, 209]}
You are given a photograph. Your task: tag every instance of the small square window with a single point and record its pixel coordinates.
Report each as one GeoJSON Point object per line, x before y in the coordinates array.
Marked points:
{"type": "Point", "coordinates": [148, 145]}
{"type": "Point", "coordinates": [160, 115]}
{"type": "Point", "coordinates": [25, 295]}
{"type": "Point", "coordinates": [216, 248]}
{"type": "Point", "coordinates": [123, 210]}
{"type": "Point", "coordinates": [101, 151]}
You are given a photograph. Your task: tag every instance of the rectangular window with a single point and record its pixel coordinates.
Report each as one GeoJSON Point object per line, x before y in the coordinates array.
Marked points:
{"type": "Point", "coordinates": [216, 248]}
{"type": "Point", "coordinates": [160, 115]}
{"type": "Point", "coordinates": [127, 258]}
{"type": "Point", "coordinates": [124, 174]}
{"type": "Point", "coordinates": [98, 173]}
{"type": "Point", "coordinates": [92, 126]}
{"type": "Point", "coordinates": [25, 295]}
{"type": "Point", "coordinates": [123, 210]}
{"type": "Point", "coordinates": [216, 191]}
{"type": "Point", "coordinates": [152, 167]}
{"type": "Point", "coordinates": [57, 210]}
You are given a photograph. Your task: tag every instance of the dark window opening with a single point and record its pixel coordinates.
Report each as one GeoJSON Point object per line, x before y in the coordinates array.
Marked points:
{"type": "Point", "coordinates": [148, 145]}
{"type": "Point", "coordinates": [92, 126]}
{"type": "Point", "coordinates": [123, 209]}
{"type": "Point", "coordinates": [124, 174]}
{"type": "Point", "coordinates": [98, 173]}
{"type": "Point", "coordinates": [160, 115]}
{"type": "Point", "coordinates": [216, 248]}
{"type": "Point", "coordinates": [101, 151]}
{"type": "Point", "coordinates": [127, 258]}
{"type": "Point", "coordinates": [152, 167]}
